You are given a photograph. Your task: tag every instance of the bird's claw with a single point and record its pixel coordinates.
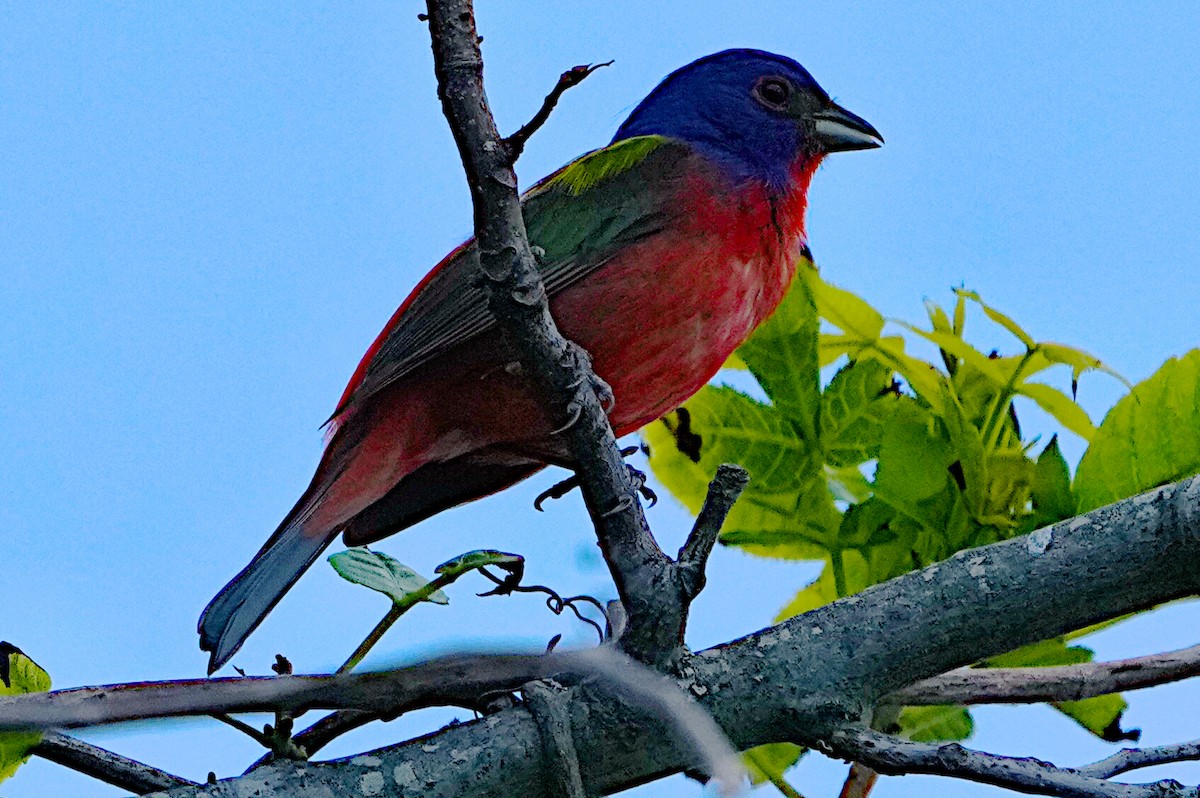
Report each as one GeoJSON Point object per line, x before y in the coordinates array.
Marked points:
{"type": "Point", "coordinates": [620, 507]}
{"type": "Point", "coordinates": [638, 479]}
{"type": "Point", "coordinates": [556, 491]}
{"type": "Point", "coordinates": [576, 411]}
{"type": "Point", "coordinates": [560, 489]}
{"type": "Point", "coordinates": [603, 391]}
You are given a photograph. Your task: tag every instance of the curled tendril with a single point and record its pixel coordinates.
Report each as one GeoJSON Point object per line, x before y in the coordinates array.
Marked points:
{"type": "Point", "coordinates": [554, 602]}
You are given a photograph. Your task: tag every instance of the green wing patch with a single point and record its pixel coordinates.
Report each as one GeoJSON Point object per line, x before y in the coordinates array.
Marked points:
{"type": "Point", "coordinates": [585, 172]}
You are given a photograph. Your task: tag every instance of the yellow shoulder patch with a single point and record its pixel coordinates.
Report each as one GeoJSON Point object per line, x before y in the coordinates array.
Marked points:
{"type": "Point", "coordinates": [598, 165]}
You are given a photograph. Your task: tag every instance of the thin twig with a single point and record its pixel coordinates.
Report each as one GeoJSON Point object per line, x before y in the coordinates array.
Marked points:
{"type": "Point", "coordinates": [895, 756]}
{"type": "Point", "coordinates": [569, 79]}
{"type": "Point", "coordinates": [102, 764]}
{"type": "Point", "coordinates": [724, 489]}
{"type": "Point", "coordinates": [446, 681]}
{"type": "Point", "coordinates": [324, 731]}
{"type": "Point", "coordinates": [1055, 683]}
{"type": "Point", "coordinates": [1129, 759]}
{"type": "Point", "coordinates": [257, 735]}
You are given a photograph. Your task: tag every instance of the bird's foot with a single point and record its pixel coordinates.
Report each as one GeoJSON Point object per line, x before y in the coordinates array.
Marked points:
{"type": "Point", "coordinates": [560, 489]}
{"type": "Point", "coordinates": [638, 478]}
{"type": "Point", "coordinates": [556, 491]}
{"type": "Point", "coordinates": [604, 392]}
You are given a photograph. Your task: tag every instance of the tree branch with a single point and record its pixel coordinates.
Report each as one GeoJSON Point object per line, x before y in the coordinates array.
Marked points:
{"type": "Point", "coordinates": [724, 489]}
{"type": "Point", "coordinates": [447, 681]}
{"type": "Point", "coordinates": [546, 703]}
{"type": "Point", "coordinates": [324, 731]}
{"type": "Point", "coordinates": [102, 764]}
{"type": "Point", "coordinates": [1056, 683]}
{"type": "Point", "coordinates": [1129, 759]}
{"type": "Point", "coordinates": [569, 79]}
{"type": "Point", "coordinates": [559, 370]}
{"type": "Point", "coordinates": [799, 681]}
{"type": "Point", "coordinates": [895, 756]}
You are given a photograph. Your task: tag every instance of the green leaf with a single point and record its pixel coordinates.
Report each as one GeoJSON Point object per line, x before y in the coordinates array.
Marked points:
{"type": "Point", "coordinates": [1004, 321]}
{"type": "Point", "coordinates": [735, 363]}
{"type": "Point", "coordinates": [1150, 438]}
{"type": "Point", "coordinates": [1051, 489]}
{"type": "Point", "coordinates": [951, 343]}
{"type": "Point", "coordinates": [890, 555]}
{"type": "Point", "coordinates": [1101, 716]}
{"type": "Point", "coordinates": [782, 356]}
{"type": "Point", "coordinates": [767, 763]}
{"type": "Point", "coordinates": [853, 410]}
{"type": "Point", "coordinates": [1062, 407]}
{"type": "Point", "coordinates": [846, 311]}
{"type": "Point", "coordinates": [938, 317]}
{"type": "Point", "coordinates": [818, 593]}
{"type": "Point", "coordinates": [847, 484]}
{"type": "Point", "coordinates": [923, 377]}
{"type": "Point", "coordinates": [974, 477]}
{"type": "Point", "coordinates": [808, 523]}
{"type": "Point", "coordinates": [18, 675]}
{"type": "Point", "coordinates": [960, 314]}
{"type": "Point", "coordinates": [1079, 361]}
{"type": "Point", "coordinates": [478, 559]}
{"type": "Point", "coordinates": [723, 425]}
{"type": "Point", "coordinates": [382, 573]}
{"type": "Point", "coordinates": [866, 524]}
{"type": "Point", "coordinates": [913, 458]}
{"type": "Point", "coordinates": [936, 723]}
{"type": "Point", "coordinates": [1044, 654]}
{"type": "Point", "coordinates": [786, 510]}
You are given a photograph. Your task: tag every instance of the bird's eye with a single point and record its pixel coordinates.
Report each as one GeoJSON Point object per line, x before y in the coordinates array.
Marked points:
{"type": "Point", "coordinates": [774, 93]}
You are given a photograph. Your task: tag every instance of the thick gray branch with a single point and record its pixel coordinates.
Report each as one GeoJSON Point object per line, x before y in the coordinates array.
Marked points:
{"type": "Point", "coordinates": [1059, 683]}
{"type": "Point", "coordinates": [815, 674]}
{"type": "Point", "coordinates": [560, 371]}
{"type": "Point", "coordinates": [546, 701]}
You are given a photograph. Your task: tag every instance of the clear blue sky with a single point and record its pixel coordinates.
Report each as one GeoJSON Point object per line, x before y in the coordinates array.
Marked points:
{"type": "Point", "coordinates": [207, 211]}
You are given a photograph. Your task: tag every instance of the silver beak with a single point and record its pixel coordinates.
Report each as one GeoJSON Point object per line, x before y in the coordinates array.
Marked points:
{"type": "Point", "coordinates": [838, 130]}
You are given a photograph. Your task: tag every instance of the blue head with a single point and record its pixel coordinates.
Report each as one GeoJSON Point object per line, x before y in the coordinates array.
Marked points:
{"type": "Point", "coordinates": [753, 112]}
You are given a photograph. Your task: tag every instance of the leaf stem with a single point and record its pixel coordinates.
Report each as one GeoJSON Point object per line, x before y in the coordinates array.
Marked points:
{"type": "Point", "coordinates": [258, 736]}
{"type": "Point", "coordinates": [398, 608]}
{"type": "Point", "coordinates": [1000, 406]}
{"type": "Point", "coordinates": [839, 571]}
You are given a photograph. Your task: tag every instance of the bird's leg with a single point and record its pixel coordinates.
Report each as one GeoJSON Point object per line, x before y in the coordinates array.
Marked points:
{"type": "Point", "coordinates": [560, 489]}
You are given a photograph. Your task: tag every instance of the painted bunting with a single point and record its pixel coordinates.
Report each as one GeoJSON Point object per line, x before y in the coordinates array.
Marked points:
{"type": "Point", "coordinates": [662, 252]}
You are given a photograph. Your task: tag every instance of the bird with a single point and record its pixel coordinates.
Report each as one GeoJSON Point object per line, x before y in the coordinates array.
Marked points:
{"type": "Point", "coordinates": [660, 253]}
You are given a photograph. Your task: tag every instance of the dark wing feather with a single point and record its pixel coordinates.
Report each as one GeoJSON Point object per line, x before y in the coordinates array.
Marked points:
{"type": "Point", "coordinates": [580, 216]}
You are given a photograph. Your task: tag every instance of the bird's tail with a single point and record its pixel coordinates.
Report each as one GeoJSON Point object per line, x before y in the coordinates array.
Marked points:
{"type": "Point", "coordinates": [243, 603]}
